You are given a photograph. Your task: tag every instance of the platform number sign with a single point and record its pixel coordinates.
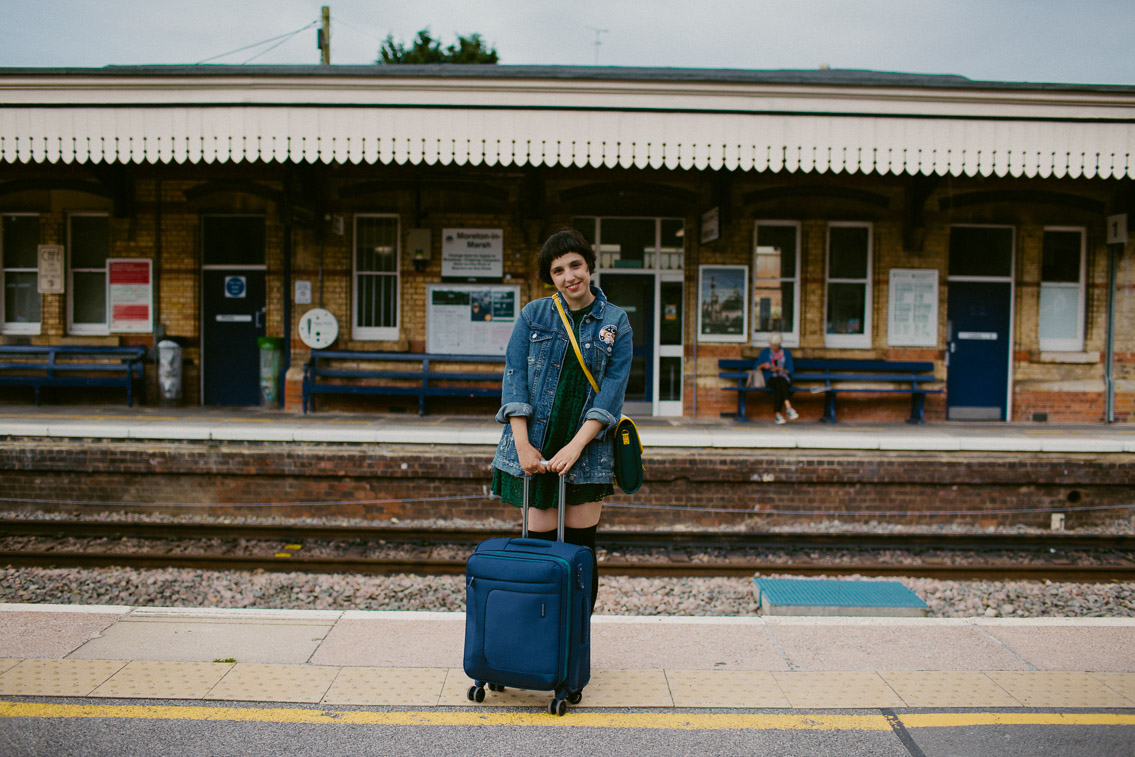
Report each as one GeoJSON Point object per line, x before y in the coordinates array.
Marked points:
{"type": "Point", "coordinates": [1117, 229]}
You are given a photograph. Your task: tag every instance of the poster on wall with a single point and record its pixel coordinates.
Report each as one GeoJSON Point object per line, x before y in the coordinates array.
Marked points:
{"type": "Point", "coordinates": [722, 303]}
{"type": "Point", "coordinates": [51, 269]}
{"type": "Point", "coordinates": [130, 294]}
{"type": "Point", "coordinates": [472, 253]}
{"type": "Point", "coordinates": [913, 317]}
{"type": "Point", "coordinates": [470, 319]}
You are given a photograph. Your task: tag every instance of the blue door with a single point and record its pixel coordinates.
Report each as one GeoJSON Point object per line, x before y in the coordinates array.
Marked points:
{"type": "Point", "coordinates": [978, 350]}
{"type": "Point", "coordinates": [234, 309]}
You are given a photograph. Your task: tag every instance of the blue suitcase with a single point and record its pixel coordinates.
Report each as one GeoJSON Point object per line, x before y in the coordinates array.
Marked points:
{"type": "Point", "coordinates": [528, 615]}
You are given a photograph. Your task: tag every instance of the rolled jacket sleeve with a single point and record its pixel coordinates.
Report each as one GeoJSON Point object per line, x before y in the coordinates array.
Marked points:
{"type": "Point", "coordinates": [608, 405]}
{"type": "Point", "coordinates": [515, 399]}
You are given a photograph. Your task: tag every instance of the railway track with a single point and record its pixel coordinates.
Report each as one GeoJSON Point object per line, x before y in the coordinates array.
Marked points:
{"type": "Point", "coordinates": [1053, 557]}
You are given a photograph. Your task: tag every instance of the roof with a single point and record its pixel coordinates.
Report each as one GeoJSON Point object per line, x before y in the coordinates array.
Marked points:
{"type": "Point", "coordinates": [823, 120]}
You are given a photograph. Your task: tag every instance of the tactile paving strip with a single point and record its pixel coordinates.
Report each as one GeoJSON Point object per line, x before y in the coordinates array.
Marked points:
{"type": "Point", "coordinates": [1124, 683]}
{"type": "Point", "coordinates": [58, 678]}
{"type": "Point", "coordinates": [8, 663]}
{"type": "Point", "coordinates": [948, 689]}
{"type": "Point", "coordinates": [164, 680]}
{"type": "Point", "coordinates": [1045, 688]}
{"type": "Point", "coordinates": [250, 682]}
{"type": "Point", "coordinates": [408, 687]}
{"type": "Point", "coordinates": [608, 688]}
{"type": "Point", "coordinates": [725, 688]}
{"type": "Point", "coordinates": [809, 690]}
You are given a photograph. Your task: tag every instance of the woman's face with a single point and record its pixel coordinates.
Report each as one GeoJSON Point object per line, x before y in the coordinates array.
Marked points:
{"type": "Point", "coordinates": [573, 280]}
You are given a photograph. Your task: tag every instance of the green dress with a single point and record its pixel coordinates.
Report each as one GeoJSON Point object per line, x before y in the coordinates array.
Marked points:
{"type": "Point", "coordinates": [571, 396]}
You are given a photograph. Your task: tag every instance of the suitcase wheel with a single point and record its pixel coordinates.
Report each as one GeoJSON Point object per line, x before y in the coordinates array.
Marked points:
{"type": "Point", "coordinates": [575, 698]}
{"type": "Point", "coordinates": [476, 693]}
{"type": "Point", "coordinates": [495, 687]}
{"type": "Point", "coordinates": [557, 707]}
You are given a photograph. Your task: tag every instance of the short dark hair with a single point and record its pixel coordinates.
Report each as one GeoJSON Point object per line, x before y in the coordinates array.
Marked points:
{"type": "Point", "coordinates": [561, 243]}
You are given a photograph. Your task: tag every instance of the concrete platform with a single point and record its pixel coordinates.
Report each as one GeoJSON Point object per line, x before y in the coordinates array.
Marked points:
{"type": "Point", "coordinates": [414, 660]}
{"type": "Point", "coordinates": [261, 425]}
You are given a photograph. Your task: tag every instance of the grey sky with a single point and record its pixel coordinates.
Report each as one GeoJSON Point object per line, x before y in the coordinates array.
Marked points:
{"type": "Point", "coordinates": [1086, 41]}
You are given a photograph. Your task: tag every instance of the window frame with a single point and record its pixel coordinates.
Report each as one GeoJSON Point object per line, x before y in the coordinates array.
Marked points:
{"type": "Point", "coordinates": [850, 341]}
{"type": "Point", "coordinates": [32, 328]}
{"type": "Point", "coordinates": [376, 333]}
{"type": "Point", "coordinates": [87, 328]}
{"type": "Point", "coordinates": [790, 338]}
{"type": "Point", "coordinates": [1075, 344]}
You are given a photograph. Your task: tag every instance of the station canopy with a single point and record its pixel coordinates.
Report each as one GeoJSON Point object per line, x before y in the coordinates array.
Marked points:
{"type": "Point", "coordinates": [504, 116]}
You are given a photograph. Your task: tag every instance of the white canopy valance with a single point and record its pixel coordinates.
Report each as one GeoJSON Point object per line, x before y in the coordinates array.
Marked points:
{"type": "Point", "coordinates": [524, 120]}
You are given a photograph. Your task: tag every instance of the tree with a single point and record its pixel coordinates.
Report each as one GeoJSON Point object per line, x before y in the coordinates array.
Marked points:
{"type": "Point", "coordinates": [426, 49]}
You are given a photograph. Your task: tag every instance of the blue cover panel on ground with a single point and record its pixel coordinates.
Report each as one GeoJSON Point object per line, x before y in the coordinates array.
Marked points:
{"type": "Point", "coordinates": [832, 593]}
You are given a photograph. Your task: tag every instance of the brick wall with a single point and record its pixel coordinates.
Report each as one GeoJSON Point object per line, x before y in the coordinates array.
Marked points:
{"type": "Point", "coordinates": [684, 486]}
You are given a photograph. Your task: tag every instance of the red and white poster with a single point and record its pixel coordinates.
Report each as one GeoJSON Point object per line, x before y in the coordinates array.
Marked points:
{"type": "Point", "coordinates": [130, 294]}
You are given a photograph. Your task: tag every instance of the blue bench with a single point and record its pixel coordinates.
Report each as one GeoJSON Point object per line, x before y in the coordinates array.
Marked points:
{"type": "Point", "coordinates": [830, 376]}
{"type": "Point", "coordinates": [354, 372]}
{"type": "Point", "coordinates": [38, 366]}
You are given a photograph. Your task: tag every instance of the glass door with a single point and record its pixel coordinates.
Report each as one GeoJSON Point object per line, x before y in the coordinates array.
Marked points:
{"type": "Point", "coordinates": [634, 293]}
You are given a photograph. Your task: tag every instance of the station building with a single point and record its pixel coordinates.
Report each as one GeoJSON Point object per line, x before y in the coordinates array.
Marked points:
{"type": "Point", "coordinates": [978, 225]}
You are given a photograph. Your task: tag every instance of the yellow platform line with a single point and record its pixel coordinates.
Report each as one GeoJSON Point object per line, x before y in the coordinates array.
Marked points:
{"type": "Point", "coordinates": [951, 719]}
{"type": "Point", "coordinates": [640, 720]}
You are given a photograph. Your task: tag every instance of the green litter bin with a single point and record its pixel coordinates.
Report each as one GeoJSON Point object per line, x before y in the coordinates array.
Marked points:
{"type": "Point", "coordinates": [271, 361]}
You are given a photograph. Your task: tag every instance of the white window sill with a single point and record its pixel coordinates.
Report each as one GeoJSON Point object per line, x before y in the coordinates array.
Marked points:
{"type": "Point", "coordinates": [1051, 356]}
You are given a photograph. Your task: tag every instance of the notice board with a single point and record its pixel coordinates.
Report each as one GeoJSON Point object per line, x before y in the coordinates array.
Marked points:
{"type": "Point", "coordinates": [130, 294]}
{"type": "Point", "coordinates": [913, 314]}
{"type": "Point", "coordinates": [470, 319]}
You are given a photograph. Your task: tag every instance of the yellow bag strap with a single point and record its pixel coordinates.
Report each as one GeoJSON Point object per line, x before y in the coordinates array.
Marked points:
{"type": "Point", "coordinates": [574, 343]}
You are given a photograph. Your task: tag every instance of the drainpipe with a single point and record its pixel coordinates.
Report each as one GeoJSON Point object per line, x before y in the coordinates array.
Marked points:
{"type": "Point", "coordinates": [1114, 251]}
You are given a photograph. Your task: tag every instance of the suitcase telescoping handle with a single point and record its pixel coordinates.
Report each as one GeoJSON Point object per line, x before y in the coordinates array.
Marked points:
{"type": "Point", "coordinates": [559, 510]}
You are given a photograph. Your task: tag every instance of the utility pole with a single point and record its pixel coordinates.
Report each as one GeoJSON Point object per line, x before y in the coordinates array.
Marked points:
{"type": "Point", "coordinates": [323, 37]}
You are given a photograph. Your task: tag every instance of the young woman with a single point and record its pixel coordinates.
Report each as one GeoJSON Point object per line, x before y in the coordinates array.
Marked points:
{"type": "Point", "coordinates": [776, 362]}
{"type": "Point", "coordinates": [555, 423]}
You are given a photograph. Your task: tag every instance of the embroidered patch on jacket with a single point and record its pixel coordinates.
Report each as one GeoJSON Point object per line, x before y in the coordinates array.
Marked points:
{"type": "Point", "coordinates": [607, 335]}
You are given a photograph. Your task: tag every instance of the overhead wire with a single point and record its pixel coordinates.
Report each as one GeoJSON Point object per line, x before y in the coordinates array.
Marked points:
{"type": "Point", "coordinates": [282, 37]}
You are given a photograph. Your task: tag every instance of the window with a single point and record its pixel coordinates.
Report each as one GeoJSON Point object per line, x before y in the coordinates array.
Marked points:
{"type": "Point", "coordinates": [376, 282]}
{"type": "Point", "coordinates": [776, 281]}
{"type": "Point", "coordinates": [848, 318]}
{"type": "Point", "coordinates": [89, 246]}
{"type": "Point", "coordinates": [650, 244]}
{"type": "Point", "coordinates": [1061, 317]}
{"type": "Point", "coordinates": [19, 258]}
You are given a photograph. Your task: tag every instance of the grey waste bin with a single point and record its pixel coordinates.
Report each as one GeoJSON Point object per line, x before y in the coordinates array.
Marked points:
{"type": "Point", "coordinates": [169, 372]}
{"type": "Point", "coordinates": [271, 361]}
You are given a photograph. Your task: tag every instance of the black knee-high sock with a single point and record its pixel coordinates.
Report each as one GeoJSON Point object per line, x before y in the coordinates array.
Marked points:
{"type": "Point", "coordinates": [545, 535]}
{"type": "Point", "coordinates": [585, 537]}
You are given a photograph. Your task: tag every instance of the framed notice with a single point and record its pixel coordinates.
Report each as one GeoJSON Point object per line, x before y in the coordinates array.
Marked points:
{"type": "Point", "coordinates": [130, 294]}
{"type": "Point", "coordinates": [470, 319]}
{"type": "Point", "coordinates": [912, 320]}
{"type": "Point", "coordinates": [472, 254]}
{"type": "Point", "coordinates": [722, 303]}
{"type": "Point", "coordinates": [50, 280]}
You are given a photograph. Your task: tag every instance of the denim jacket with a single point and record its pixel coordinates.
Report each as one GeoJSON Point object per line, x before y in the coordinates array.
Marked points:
{"type": "Point", "coordinates": [536, 353]}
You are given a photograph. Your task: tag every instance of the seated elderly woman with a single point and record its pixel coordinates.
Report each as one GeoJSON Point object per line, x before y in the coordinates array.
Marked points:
{"type": "Point", "coordinates": [776, 363]}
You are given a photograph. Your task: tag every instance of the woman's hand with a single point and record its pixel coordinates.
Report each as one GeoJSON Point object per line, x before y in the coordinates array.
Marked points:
{"type": "Point", "coordinates": [562, 461]}
{"type": "Point", "coordinates": [531, 461]}
{"type": "Point", "coordinates": [528, 456]}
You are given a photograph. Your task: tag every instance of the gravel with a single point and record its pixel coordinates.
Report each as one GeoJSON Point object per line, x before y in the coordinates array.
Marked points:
{"type": "Point", "coordinates": [618, 595]}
